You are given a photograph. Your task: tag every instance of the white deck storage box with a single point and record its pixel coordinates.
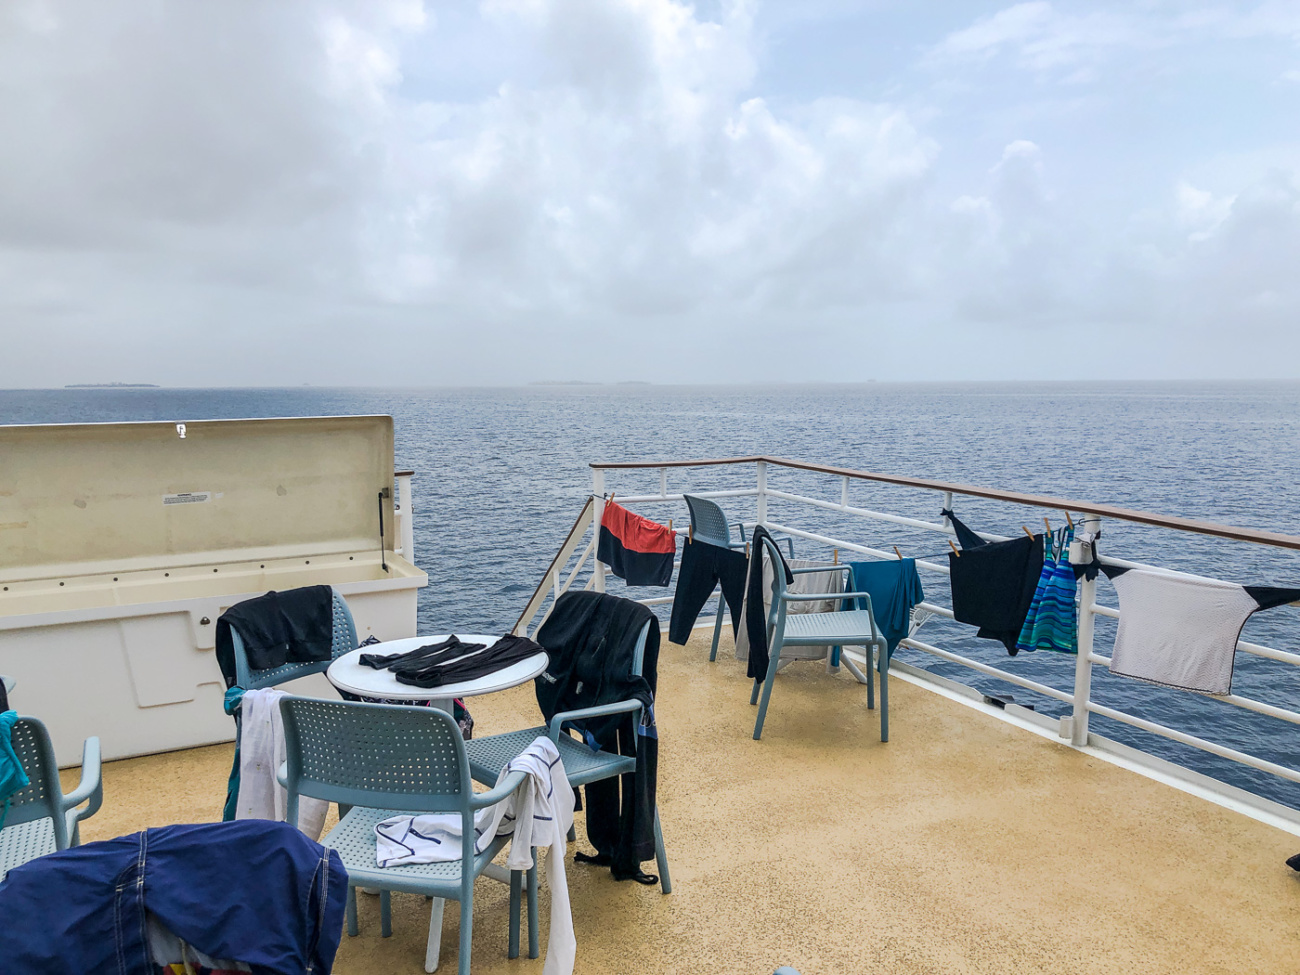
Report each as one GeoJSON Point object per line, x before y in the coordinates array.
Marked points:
{"type": "Point", "coordinates": [121, 544]}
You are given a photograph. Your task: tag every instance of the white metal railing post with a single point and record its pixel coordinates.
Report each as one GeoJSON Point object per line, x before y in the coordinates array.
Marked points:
{"type": "Point", "coordinates": [761, 514]}
{"type": "Point", "coordinates": [663, 482]}
{"type": "Point", "coordinates": [598, 496]}
{"type": "Point", "coordinates": [1083, 663]}
{"type": "Point", "coordinates": [844, 492]}
{"type": "Point", "coordinates": [406, 519]}
{"type": "Point", "coordinates": [947, 506]}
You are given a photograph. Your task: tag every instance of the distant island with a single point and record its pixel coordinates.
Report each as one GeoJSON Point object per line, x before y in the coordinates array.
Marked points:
{"type": "Point", "coordinates": [584, 382]}
{"type": "Point", "coordinates": [112, 386]}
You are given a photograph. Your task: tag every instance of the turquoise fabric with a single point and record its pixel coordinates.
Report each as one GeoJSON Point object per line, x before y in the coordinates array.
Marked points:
{"type": "Point", "coordinates": [231, 703]}
{"type": "Point", "coordinates": [12, 776]}
{"type": "Point", "coordinates": [1052, 622]}
{"type": "Point", "coordinates": [894, 588]}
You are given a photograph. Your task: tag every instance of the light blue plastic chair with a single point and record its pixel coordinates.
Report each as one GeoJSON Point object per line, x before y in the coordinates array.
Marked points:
{"type": "Point", "coordinates": [382, 760]}
{"type": "Point", "coordinates": [41, 818]}
{"type": "Point", "coordinates": [582, 766]}
{"type": "Point", "coordinates": [854, 627]}
{"type": "Point", "coordinates": [345, 641]}
{"type": "Point", "coordinates": [709, 525]}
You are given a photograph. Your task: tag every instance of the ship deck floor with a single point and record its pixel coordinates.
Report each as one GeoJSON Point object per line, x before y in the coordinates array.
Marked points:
{"type": "Point", "coordinates": [964, 845]}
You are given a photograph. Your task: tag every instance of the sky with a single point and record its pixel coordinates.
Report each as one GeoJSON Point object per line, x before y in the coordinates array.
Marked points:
{"type": "Point", "coordinates": [390, 192]}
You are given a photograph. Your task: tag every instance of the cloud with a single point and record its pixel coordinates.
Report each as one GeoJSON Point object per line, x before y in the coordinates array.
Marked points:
{"type": "Point", "coordinates": [1064, 39]}
{"type": "Point", "coordinates": [271, 193]}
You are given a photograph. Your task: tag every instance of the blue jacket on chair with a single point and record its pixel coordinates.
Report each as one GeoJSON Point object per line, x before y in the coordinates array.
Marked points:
{"type": "Point", "coordinates": [253, 890]}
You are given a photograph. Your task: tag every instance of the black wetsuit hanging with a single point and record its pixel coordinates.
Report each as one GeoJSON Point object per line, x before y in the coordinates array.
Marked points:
{"type": "Point", "coordinates": [993, 583]}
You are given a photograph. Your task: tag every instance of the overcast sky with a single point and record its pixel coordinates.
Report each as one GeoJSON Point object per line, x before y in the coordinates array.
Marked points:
{"type": "Point", "coordinates": [216, 192]}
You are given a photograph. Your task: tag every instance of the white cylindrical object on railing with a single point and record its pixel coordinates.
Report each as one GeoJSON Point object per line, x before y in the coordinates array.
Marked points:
{"type": "Point", "coordinates": [406, 525]}
{"type": "Point", "coordinates": [762, 492]}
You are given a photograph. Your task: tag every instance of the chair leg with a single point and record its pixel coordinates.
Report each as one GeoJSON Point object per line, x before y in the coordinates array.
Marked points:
{"type": "Point", "coordinates": [871, 681]}
{"type": "Point", "coordinates": [717, 629]}
{"type": "Point", "coordinates": [353, 929]}
{"type": "Point", "coordinates": [884, 694]}
{"type": "Point", "coordinates": [533, 948]}
{"type": "Point", "coordinates": [386, 913]}
{"type": "Point", "coordinates": [466, 932]}
{"type": "Point", "coordinates": [773, 662]}
{"type": "Point", "coordinates": [516, 891]}
{"type": "Point", "coordinates": [661, 857]}
{"type": "Point", "coordinates": [753, 694]}
{"type": "Point", "coordinates": [433, 948]}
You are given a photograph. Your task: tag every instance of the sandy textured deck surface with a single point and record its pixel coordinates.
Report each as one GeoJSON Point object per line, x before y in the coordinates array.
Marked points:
{"type": "Point", "coordinates": [962, 845]}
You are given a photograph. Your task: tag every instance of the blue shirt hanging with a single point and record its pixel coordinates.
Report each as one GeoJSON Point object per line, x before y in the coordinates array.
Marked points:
{"type": "Point", "coordinates": [895, 588]}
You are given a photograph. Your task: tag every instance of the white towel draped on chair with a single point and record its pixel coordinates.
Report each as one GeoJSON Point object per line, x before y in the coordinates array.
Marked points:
{"type": "Point", "coordinates": [539, 814]}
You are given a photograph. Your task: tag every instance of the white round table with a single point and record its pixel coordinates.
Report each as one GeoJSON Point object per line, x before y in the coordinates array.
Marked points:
{"type": "Point", "coordinates": [348, 674]}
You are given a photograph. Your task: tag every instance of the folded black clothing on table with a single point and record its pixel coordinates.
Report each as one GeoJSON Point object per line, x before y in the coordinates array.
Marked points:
{"type": "Point", "coordinates": [443, 650]}
{"type": "Point", "coordinates": [470, 662]}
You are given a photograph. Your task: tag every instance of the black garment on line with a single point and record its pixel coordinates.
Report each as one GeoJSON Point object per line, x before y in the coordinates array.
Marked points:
{"type": "Point", "coordinates": [755, 618]}
{"type": "Point", "coordinates": [468, 664]}
{"type": "Point", "coordinates": [429, 653]}
{"type": "Point", "coordinates": [704, 566]}
{"type": "Point", "coordinates": [993, 583]}
{"type": "Point", "coordinates": [591, 638]}
{"type": "Point", "coordinates": [294, 626]}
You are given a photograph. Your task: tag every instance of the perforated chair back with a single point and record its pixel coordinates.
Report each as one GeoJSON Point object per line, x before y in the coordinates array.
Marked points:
{"type": "Point", "coordinates": [345, 641]}
{"type": "Point", "coordinates": [708, 523]}
{"type": "Point", "coordinates": [379, 755]}
{"type": "Point", "coordinates": [40, 799]}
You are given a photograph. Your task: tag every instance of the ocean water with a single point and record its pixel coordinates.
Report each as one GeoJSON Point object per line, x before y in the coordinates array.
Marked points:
{"type": "Point", "coordinates": [502, 472]}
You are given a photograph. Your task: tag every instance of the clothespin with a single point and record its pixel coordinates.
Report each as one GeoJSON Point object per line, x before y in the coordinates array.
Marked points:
{"type": "Point", "coordinates": [1047, 524]}
{"type": "Point", "coordinates": [690, 534]}
{"type": "Point", "coordinates": [747, 550]}
{"type": "Point", "coordinates": [670, 524]}
{"type": "Point", "coordinates": [954, 548]}
{"type": "Point", "coordinates": [1026, 531]}
{"type": "Point", "coordinates": [898, 553]}
{"type": "Point", "coordinates": [1068, 520]}
{"type": "Point", "coordinates": [836, 559]}
{"type": "Point", "coordinates": [610, 499]}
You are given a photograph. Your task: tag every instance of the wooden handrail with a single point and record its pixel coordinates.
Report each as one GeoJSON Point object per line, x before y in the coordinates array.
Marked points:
{"type": "Point", "coordinates": [1015, 497]}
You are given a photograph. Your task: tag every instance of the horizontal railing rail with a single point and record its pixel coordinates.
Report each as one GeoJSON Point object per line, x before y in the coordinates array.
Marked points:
{"type": "Point", "coordinates": [992, 494]}
{"type": "Point", "coordinates": [1075, 726]}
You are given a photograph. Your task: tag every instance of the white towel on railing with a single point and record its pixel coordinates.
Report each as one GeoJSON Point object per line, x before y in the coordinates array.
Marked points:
{"type": "Point", "coordinates": [539, 814]}
{"type": "Point", "coordinates": [261, 753]}
{"type": "Point", "coordinates": [1182, 631]}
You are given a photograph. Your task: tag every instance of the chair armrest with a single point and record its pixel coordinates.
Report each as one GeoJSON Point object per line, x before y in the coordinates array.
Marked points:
{"type": "Point", "coordinates": [90, 787]}
{"type": "Point", "coordinates": [820, 596]}
{"type": "Point", "coordinates": [857, 595]}
{"type": "Point", "coordinates": [598, 711]}
{"type": "Point", "coordinates": [819, 568]}
{"type": "Point", "coordinates": [511, 782]}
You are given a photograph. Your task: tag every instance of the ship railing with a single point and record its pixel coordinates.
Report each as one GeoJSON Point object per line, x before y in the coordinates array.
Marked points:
{"type": "Point", "coordinates": [1073, 727]}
